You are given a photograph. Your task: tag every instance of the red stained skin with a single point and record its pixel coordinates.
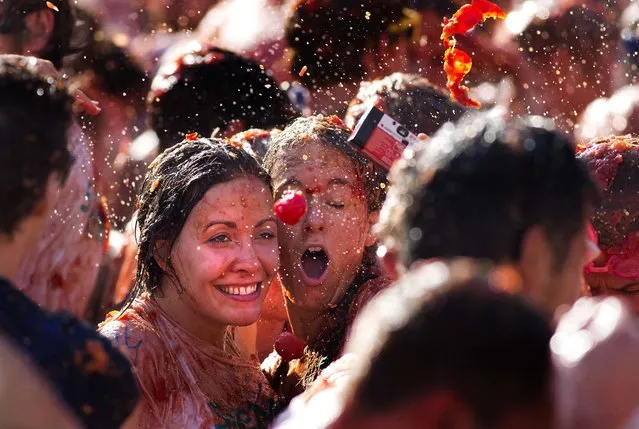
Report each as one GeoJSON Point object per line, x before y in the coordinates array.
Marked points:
{"type": "Point", "coordinates": [289, 347]}
{"type": "Point", "coordinates": [291, 208]}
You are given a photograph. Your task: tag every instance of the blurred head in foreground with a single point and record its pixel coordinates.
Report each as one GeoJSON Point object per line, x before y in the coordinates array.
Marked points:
{"type": "Point", "coordinates": [511, 193]}
{"type": "Point", "coordinates": [443, 348]}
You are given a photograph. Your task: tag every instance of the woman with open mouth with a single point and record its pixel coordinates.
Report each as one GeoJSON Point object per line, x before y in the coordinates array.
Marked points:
{"type": "Point", "coordinates": [328, 266]}
{"type": "Point", "coordinates": [208, 251]}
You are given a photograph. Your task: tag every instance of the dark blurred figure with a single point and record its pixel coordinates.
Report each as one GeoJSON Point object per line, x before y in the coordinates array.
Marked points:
{"type": "Point", "coordinates": [30, 27]}
{"type": "Point", "coordinates": [409, 99]}
{"type": "Point", "coordinates": [443, 348]}
{"type": "Point", "coordinates": [570, 58]}
{"type": "Point", "coordinates": [61, 271]}
{"type": "Point", "coordinates": [92, 378]}
{"type": "Point", "coordinates": [512, 193]}
{"type": "Point", "coordinates": [207, 89]}
{"type": "Point", "coordinates": [337, 44]}
{"type": "Point", "coordinates": [614, 161]}
{"type": "Point", "coordinates": [254, 29]}
{"type": "Point", "coordinates": [106, 72]}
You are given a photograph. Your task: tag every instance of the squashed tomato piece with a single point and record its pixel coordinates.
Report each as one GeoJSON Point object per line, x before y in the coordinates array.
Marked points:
{"type": "Point", "coordinates": [457, 63]}
{"type": "Point", "coordinates": [462, 21]}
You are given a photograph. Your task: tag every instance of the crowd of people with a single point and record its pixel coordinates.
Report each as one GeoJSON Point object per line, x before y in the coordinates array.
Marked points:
{"type": "Point", "coordinates": [490, 279]}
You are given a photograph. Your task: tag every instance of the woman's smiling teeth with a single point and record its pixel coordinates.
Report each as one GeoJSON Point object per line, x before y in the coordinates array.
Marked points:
{"type": "Point", "coordinates": [240, 290]}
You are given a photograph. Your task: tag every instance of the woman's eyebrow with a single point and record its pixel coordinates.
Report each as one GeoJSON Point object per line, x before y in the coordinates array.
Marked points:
{"type": "Point", "coordinates": [231, 225]}
{"type": "Point", "coordinates": [265, 220]}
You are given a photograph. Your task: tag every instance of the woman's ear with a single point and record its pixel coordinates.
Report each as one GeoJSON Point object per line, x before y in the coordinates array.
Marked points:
{"type": "Point", "coordinates": [40, 25]}
{"type": "Point", "coordinates": [371, 238]}
{"type": "Point", "coordinates": [162, 254]}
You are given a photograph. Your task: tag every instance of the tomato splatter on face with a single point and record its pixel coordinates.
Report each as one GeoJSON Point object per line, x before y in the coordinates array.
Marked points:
{"type": "Point", "coordinates": [291, 208]}
{"type": "Point", "coordinates": [457, 63]}
{"type": "Point", "coordinates": [312, 191]}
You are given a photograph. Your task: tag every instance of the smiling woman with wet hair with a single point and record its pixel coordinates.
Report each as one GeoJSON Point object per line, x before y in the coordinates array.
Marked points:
{"type": "Point", "coordinates": [208, 250]}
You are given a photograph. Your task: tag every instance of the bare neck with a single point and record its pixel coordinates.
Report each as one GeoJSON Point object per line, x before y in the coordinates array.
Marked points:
{"type": "Point", "coordinates": [304, 324]}
{"type": "Point", "coordinates": [184, 312]}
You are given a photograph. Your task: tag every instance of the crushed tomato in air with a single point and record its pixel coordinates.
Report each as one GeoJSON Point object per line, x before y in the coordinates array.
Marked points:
{"type": "Point", "coordinates": [457, 63]}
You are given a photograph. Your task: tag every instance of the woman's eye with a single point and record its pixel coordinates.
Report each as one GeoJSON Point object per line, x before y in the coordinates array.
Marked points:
{"type": "Point", "coordinates": [336, 204]}
{"type": "Point", "coordinates": [266, 235]}
{"type": "Point", "coordinates": [220, 238]}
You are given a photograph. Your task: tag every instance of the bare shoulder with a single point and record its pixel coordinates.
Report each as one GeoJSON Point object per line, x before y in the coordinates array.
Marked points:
{"type": "Point", "coordinates": [133, 336]}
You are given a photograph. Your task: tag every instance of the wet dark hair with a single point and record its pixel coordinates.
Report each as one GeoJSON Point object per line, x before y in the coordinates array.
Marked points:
{"type": "Point", "coordinates": [35, 115]}
{"type": "Point", "coordinates": [176, 181]}
{"type": "Point", "coordinates": [13, 12]}
{"type": "Point", "coordinates": [207, 88]}
{"type": "Point", "coordinates": [585, 32]}
{"type": "Point", "coordinates": [489, 348]}
{"type": "Point", "coordinates": [475, 189]}
{"type": "Point", "coordinates": [614, 163]}
{"type": "Point", "coordinates": [410, 99]}
{"type": "Point", "coordinates": [255, 141]}
{"type": "Point", "coordinates": [331, 37]}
